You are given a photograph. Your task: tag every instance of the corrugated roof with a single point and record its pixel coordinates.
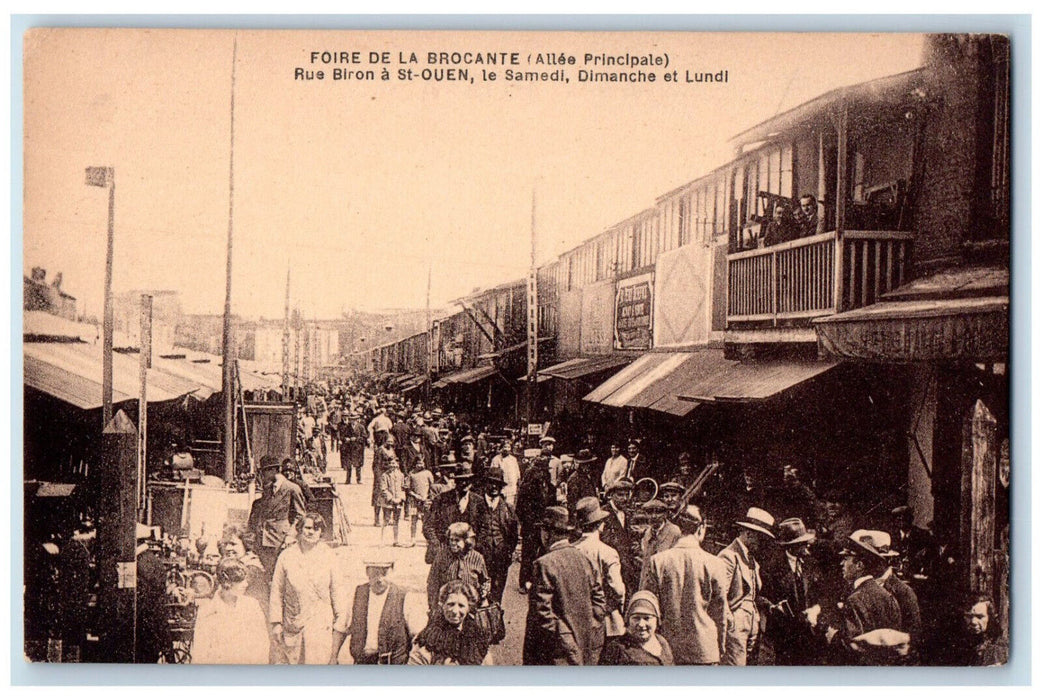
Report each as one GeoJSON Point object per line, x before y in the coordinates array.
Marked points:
{"type": "Point", "coordinates": [72, 373]}
{"type": "Point", "coordinates": [466, 376]}
{"type": "Point", "coordinates": [888, 88]}
{"type": "Point", "coordinates": [583, 366]}
{"type": "Point", "coordinates": [752, 381]}
{"type": "Point", "coordinates": [676, 382]}
{"type": "Point", "coordinates": [41, 323]}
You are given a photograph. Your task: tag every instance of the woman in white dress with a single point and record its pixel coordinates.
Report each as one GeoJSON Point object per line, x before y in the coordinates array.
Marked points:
{"type": "Point", "coordinates": [230, 627]}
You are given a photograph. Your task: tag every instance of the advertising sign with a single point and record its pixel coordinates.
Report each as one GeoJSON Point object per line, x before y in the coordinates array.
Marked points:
{"type": "Point", "coordinates": [633, 298]}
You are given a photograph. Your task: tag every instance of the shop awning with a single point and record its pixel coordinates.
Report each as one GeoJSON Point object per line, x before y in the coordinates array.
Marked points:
{"type": "Point", "coordinates": [72, 372]}
{"type": "Point", "coordinates": [676, 382]}
{"type": "Point", "coordinates": [466, 376]}
{"type": "Point", "coordinates": [949, 316]}
{"type": "Point", "coordinates": [753, 380]}
{"type": "Point", "coordinates": [584, 366]}
{"type": "Point", "coordinates": [511, 348]}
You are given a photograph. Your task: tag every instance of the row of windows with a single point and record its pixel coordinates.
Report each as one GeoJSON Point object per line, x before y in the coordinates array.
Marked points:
{"type": "Point", "coordinates": [708, 208]}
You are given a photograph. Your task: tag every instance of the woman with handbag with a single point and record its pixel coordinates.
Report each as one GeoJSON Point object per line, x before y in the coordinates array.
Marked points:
{"type": "Point", "coordinates": [452, 637]}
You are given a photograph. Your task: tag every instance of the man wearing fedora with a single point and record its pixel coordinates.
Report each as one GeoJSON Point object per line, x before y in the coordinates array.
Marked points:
{"type": "Point", "coordinates": [535, 493]}
{"type": "Point", "coordinates": [497, 532]}
{"type": "Point", "coordinates": [590, 519]}
{"type": "Point", "coordinates": [868, 607]}
{"type": "Point", "coordinates": [691, 585]}
{"type": "Point", "coordinates": [459, 505]}
{"type": "Point", "coordinates": [274, 514]}
{"type": "Point", "coordinates": [583, 483]}
{"type": "Point", "coordinates": [907, 600]}
{"type": "Point", "coordinates": [744, 584]}
{"type": "Point", "coordinates": [566, 605]}
{"type": "Point", "coordinates": [793, 595]}
{"type": "Point", "coordinates": [352, 445]}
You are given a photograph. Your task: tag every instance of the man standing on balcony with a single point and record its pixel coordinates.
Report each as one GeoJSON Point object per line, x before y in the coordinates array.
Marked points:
{"type": "Point", "coordinates": [807, 216]}
{"type": "Point", "coordinates": [782, 228]}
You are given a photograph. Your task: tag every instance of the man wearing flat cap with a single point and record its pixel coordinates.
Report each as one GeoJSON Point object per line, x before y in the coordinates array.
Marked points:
{"type": "Point", "coordinates": [744, 584]}
{"type": "Point", "coordinates": [566, 606]}
{"type": "Point", "coordinates": [274, 514]}
{"type": "Point", "coordinates": [384, 619]}
{"type": "Point", "coordinates": [661, 533]}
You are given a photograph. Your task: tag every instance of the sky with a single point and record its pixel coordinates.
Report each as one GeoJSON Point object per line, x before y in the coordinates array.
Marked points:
{"type": "Point", "coordinates": [358, 187]}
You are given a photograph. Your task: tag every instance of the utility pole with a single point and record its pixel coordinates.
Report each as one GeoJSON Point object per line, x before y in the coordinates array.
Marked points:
{"type": "Point", "coordinates": [228, 345]}
{"type": "Point", "coordinates": [430, 332]}
{"type": "Point", "coordinates": [533, 330]}
{"type": "Point", "coordinates": [285, 345]}
{"type": "Point", "coordinates": [117, 540]}
{"type": "Point", "coordinates": [106, 177]}
{"type": "Point", "coordinates": [145, 362]}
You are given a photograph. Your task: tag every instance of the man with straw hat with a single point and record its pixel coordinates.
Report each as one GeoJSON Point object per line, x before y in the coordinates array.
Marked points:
{"type": "Point", "coordinates": [744, 584]}
{"type": "Point", "coordinates": [868, 607]}
{"type": "Point", "coordinates": [566, 604]}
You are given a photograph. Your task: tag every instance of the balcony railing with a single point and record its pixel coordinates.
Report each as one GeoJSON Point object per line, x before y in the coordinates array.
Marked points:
{"type": "Point", "coordinates": [813, 276]}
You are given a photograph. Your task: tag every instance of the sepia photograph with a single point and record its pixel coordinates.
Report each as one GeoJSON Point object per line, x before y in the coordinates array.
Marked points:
{"type": "Point", "coordinates": [515, 348]}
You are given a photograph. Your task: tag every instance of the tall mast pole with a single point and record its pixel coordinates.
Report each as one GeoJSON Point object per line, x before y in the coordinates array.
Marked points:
{"type": "Point", "coordinates": [285, 344]}
{"type": "Point", "coordinates": [430, 334]}
{"type": "Point", "coordinates": [533, 329]}
{"type": "Point", "coordinates": [228, 375]}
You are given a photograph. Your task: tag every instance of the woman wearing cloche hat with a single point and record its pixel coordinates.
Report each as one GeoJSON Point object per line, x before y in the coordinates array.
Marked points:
{"type": "Point", "coordinates": [642, 645]}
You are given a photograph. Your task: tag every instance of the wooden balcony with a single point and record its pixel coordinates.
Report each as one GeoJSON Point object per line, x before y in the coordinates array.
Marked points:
{"type": "Point", "coordinates": [786, 285]}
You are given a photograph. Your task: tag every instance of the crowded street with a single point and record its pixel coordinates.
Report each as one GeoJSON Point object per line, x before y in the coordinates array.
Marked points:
{"type": "Point", "coordinates": [731, 389]}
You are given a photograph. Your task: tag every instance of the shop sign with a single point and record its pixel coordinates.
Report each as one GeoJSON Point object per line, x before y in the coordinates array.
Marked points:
{"type": "Point", "coordinates": [633, 298]}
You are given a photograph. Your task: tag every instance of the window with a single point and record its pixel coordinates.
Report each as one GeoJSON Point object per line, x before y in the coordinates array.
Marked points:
{"type": "Point", "coordinates": [682, 221]}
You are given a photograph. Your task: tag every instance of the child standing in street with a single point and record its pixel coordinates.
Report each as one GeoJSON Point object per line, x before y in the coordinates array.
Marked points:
{"type": "Point", "coordinates": [418, 497]}
{"type": "Point", "coordinates": [392, 497]}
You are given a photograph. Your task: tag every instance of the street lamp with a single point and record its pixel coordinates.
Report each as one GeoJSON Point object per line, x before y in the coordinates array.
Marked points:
{"type": "Point", "coordinates": [106, 177]}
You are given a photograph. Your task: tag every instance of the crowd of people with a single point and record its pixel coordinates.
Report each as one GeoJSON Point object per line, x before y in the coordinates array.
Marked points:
{"type": "Point", "coordinates": [614, 574]}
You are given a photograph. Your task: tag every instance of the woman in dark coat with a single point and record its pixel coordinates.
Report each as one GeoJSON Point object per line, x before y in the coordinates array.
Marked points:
{"type": "Point", "coordinates": [452, 637]}
{"type": "Point", "coordinates": [642, 645]}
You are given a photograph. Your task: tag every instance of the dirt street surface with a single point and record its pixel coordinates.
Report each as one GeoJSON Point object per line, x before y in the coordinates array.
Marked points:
{"type": "Point", "coordinates": [410, 571]}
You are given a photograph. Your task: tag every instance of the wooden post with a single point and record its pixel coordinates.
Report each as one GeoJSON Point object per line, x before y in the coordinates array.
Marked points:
{"type": "Point", "coordinates": [842, 184]}
{"type": "Point", "coordinates": [145, 361]}
{"type": "Point", "coordinates": [117, 539]}
{"type": "Point", "coordinates": [979, 465]}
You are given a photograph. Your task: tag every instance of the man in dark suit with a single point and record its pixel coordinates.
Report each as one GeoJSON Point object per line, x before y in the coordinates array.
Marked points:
{"type": "Point", "coordinates": [352, 445]}
{"type": "Point", "coordinates": [793, 595]}
{"type": "Point", "coordinates": [535, 493]}
{"type": "Point", "coordinates": [584, 481]}
{"type": "Point", "coordinates": [566, 606]}
{"type": "Point", "coordinates": [868, 608]}
{"type": "Point", "coordinates": [618, 534]}
{"type": "Point", "coordinates": [274, 515]}
{"type": "Point", "coordinates": [460, 505]}
{"type": "Point", "coordinates": [497, 532]}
